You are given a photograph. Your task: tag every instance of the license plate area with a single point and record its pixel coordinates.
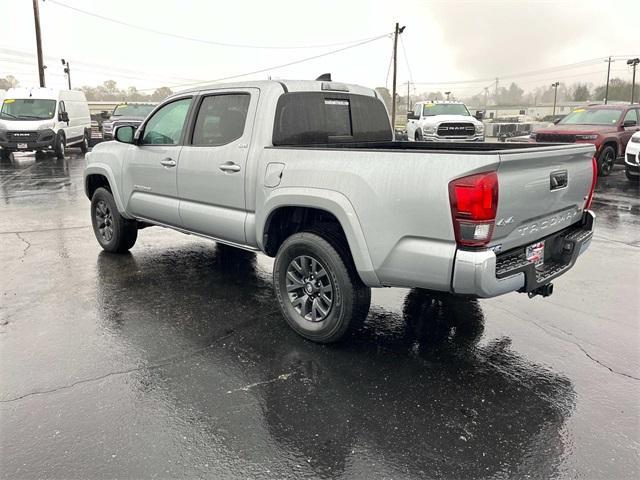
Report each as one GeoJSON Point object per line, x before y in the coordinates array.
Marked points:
{"type": "Point", "coordinates": [22, 146]}
{"type": "Point", "coordinates": [535, 253]}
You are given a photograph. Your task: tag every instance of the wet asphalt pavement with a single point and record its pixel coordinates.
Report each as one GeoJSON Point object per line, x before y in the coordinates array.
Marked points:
{"type": "Point", "coordinates": [173, 361]}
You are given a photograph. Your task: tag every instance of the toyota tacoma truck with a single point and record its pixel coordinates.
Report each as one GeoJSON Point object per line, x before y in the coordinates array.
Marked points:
{"type": "Point", "coordinates": [443, 121]}
{"type": "Point", "coordinates": [607, 127]}
{"type": "Point", "coordinates": [308, 172]}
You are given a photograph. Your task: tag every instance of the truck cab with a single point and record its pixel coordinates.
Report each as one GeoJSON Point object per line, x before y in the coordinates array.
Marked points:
{"type": "Point", "coordinates": [443, 121]}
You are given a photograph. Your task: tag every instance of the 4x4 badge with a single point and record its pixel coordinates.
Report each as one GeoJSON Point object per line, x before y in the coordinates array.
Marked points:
{"type": "Point", "coordinates": [504, 221]}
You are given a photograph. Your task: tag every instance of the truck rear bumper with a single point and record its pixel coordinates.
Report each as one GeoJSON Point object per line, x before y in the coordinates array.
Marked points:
{"type": "Point", "coordinates": [483, 274]}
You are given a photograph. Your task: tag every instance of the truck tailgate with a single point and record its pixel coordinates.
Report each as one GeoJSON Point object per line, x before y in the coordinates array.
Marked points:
{"type": "Point", "coordinates": [541, 191]}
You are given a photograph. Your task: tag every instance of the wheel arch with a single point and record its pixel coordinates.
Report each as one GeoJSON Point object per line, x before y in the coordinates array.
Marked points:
{"type": "Point", "coordinates": [329, 205]}
{"type": "Point", "coordinates": [96, 176]}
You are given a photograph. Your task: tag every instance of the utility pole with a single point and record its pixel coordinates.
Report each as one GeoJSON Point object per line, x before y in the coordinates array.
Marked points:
{"type": "Point", "coordinates": [397, 32]}
{"type": "Point", "coordinates": [634, 63]}
{"type": "Point", "coordinates": [486, 98]}
{"type": "Point", "coordinates": [555, 95]}
{"type": "Point", "coordinates": [606, 91]}
{"type": "Point", "coordinates": [67, 70]}
{"type": "Point", "coordinates": [447, 94]}
{"type": "Point", "coordinates": [36, 18]}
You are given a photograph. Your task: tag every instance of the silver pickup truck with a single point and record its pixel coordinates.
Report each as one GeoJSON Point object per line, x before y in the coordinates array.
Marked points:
{"type": "Point", "coordinates": [308, 172]}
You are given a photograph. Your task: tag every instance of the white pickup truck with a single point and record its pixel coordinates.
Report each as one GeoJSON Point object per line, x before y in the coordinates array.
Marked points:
{"type": "Point", "coordinates": [308, 172]}
{"type": "Point", "coordinates": [443, 121]}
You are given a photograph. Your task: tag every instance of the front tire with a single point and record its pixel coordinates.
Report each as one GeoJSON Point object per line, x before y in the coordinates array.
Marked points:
{"type": "Point", "coordinates": [319, 291]}
{"type": "Point", "coordinates": [114, 233]}
{"type": "Point", "coordinates": [606, 160]}
{"type": "Point", "coordinates": [60, 147]}
{"type": "Point", "coordinates": [418, 137]}
{"type": "Point", "coordinates": [84, 146]}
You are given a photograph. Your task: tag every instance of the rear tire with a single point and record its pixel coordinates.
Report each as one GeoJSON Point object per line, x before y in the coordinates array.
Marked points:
{"type": "Point", "coordinates": [114, 233]}
{"type": "Point", "coordinates": [5, 154]}
{"type": "Point", "coordinates": [319, 291]}
{"type": "Point", "coordinates": [60, 147]}
{"type": "Point", "coordinates": [606, 160]}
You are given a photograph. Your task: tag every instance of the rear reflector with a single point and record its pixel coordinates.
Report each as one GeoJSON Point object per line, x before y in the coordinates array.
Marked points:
{"type": "Point", "coordinates": [594, 180]}
{"type": "Point", "coordinates": [474, 202]}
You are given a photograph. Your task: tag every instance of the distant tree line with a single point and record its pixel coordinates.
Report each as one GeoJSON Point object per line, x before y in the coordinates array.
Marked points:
{"type": "Point", "coordinates": [109, 91]}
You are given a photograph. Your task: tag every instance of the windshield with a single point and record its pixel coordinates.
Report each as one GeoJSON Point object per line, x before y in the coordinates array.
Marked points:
{"type": "Point", "coordinates": [431, 109]}
{"type": "Point", "coordinates": [27, 109]}
{"type": "Point", "coordinates": [593, 116]}
{"type": "Point", "coordinates": [132, 110]}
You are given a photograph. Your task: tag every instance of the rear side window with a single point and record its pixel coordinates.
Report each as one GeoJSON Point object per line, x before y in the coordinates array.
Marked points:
{"type": "Point", "coordinates": [221, 119]}
{"type": "Point", "coordinates": [329, 117]}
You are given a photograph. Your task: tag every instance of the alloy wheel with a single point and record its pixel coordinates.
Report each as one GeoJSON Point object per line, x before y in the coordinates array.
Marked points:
{"type": "Point", "coordinates": [309, 288]}
{"type": "Point", "coordinates": [104, 220]}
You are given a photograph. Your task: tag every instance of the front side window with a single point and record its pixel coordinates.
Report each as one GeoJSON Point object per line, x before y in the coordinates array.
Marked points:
{"type": "Point", "coordinates": [631, 115]}
{"type": "Point", "coordinates": [592, 116]}
{"type": "Point", "coordinates": [167, 124]}
{"type": "Point", "coordinates": [221, 119]}
{"type": "Point", "coordinates": [27, 109]}
{"type": "Point", "coordinates": [417, 110]}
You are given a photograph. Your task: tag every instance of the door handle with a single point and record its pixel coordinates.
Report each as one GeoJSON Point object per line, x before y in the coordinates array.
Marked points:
{"type": "Point", "coordinates": [229, 167]}
{"type": "Point", "coordinates": [168, 162]}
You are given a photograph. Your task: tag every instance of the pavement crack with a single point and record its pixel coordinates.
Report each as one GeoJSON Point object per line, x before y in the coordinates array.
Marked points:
{"type": "Point", "coordinates": [580, 347]}
{"type": "Point", "coordinates": [163, 363]}
{"type": "Point", "coordinates": [16, 232]}
{"type": "Point", "coordinates": [246, 388]}
{"type": "Point", "coordinates": [24, 251]}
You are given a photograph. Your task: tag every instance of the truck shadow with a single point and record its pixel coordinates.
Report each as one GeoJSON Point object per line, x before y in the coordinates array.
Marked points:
{"type": "Point", "coordinates": [416, 394]}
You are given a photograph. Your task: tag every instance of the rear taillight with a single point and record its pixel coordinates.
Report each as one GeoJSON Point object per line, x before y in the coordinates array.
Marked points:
{"type": "Point", "coordinates": [474, 202]}
{"type": "Point", "coordinates": [594, 180]}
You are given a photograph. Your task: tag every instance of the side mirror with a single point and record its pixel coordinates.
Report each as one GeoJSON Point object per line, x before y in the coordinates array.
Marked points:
{"type": "Point", "coordinates": [479, 115]}
{"type": "Point", "coordinates": [556, 121]}
{"type": "Point", "coordinates": [63, 117]}
{"type": "Point", "coordinates": [104, 115]}
{"type": "Point", "coordinates": [411, 115]}
{"type": "Point", "coordinates": [125, 134]}
{"type": "Point", "coordinates": [629, 123]}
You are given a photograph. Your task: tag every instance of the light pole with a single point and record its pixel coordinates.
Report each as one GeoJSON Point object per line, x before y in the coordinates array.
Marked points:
{"type": "Point", "coordinates": [634, 63]}
{"type": "Point", "coordinates": [447, 94]}
{"type": "Point", "coordinates": [36, 19]}
{"type": "Point", "coordinates": [555, 95]}
{"type": "Point", "coordinates": [67, 70]}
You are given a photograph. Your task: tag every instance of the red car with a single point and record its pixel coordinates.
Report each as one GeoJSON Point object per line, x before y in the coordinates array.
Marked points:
{"type": "Point", "coordinates": [608, 127]}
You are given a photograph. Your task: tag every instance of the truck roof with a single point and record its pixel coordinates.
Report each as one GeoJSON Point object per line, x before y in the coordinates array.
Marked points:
{"type": "Point", "coordinates": [289, 86]}
{"type": "Point", "coordinates": [441, 102]}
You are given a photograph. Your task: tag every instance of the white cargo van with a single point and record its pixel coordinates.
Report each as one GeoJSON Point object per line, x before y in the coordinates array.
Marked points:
{"type": "Point", "coordinates": [43, 119]}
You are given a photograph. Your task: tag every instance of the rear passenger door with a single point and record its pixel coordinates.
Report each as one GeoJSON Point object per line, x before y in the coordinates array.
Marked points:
{"type": "Point", "coordinates": [213, 165]}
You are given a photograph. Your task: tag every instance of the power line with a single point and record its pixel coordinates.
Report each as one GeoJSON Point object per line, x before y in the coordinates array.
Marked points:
{"type": "Point", "coordinates": [202, 40]}
{"type": "Point", "coordinates": [581, 64]}
{"type": "Point", "coordinates": [275, 67]}
{"type": "Point", "coordinates": [406, 59]}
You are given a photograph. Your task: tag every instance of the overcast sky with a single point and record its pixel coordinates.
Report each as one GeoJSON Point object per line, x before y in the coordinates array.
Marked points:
{"type": "Point", "coordinates": [445, 41]}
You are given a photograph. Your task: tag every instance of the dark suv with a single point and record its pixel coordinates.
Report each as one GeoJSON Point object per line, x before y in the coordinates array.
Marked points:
{"type": "Point", "coordinates": [608, 127]}
{"type": "Point", "coordinates": [126, 114]}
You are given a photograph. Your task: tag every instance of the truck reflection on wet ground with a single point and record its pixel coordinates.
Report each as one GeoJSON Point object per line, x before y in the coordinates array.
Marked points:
{"type": "Point", "coordinates": [417, 389]}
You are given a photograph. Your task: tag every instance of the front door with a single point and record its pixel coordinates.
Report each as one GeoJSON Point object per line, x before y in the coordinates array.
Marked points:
{"type": "Point", "coordinates": [150, 167]}
{"type": "Point", "coordinates": [631, 116]}
{"type": "Point", "coordinates": [213, 165]}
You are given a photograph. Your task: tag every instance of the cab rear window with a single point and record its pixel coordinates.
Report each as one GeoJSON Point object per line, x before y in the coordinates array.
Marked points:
{"type": "Point", "coordinates": [329, 117]}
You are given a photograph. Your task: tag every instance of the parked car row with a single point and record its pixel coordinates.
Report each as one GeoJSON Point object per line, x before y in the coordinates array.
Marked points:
{"type": "Point", "coordinates": [608, 127]}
